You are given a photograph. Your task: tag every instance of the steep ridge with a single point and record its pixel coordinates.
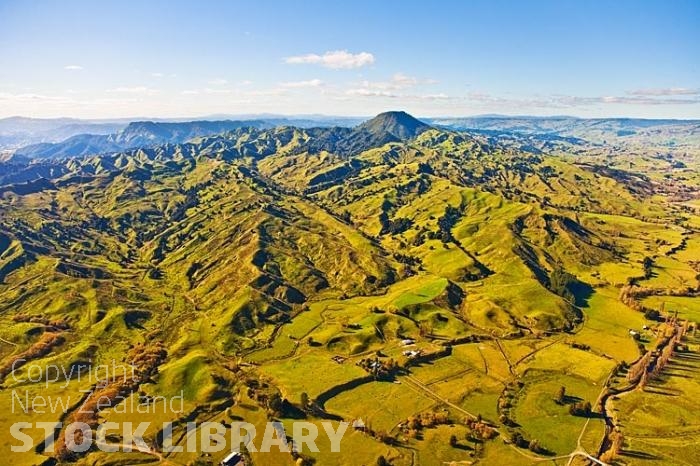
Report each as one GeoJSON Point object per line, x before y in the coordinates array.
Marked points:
{"type": "Point", "coordinates": [308, 210]}
{"type": "Point", "coordinates": [136, 134]}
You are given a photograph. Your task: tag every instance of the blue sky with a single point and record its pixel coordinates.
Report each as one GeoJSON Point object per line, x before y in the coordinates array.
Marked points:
{"type": "Point", "coordinates": [105, 59]}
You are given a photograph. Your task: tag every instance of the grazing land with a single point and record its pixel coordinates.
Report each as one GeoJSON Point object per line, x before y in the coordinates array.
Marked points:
{"type": "Point", "coordinates": [472, 299]}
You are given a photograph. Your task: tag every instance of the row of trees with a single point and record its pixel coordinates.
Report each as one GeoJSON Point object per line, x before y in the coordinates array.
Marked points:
{"type": "Point", "coordinates": [581, 408]}
{"type": "Point", "coordinates": [648, 366]}
{"type": "Point", "coordinates": [636, 370]}
{"type": "Point", "coordinates": [616, 440]}
{"type": "Point", "coordinates": [667, 352]}
{"type": "Point", "coordinates": [42, 347]}
{"type": "Point", "coordinates": [532, 445]}
{"type": "Point", "coordinates": [145, 358]}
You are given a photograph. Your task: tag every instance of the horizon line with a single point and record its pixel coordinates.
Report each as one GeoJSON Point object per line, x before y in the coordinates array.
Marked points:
{"type": "Point", "coordinates": [299, 116]}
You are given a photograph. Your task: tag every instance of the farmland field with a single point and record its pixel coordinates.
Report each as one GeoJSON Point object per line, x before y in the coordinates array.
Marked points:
{"type": "Point", "coordinates": [446, 297]}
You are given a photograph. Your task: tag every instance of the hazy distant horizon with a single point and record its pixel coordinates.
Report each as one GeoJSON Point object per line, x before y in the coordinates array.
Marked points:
{"type": "Point", "coordinates": [322, 117]}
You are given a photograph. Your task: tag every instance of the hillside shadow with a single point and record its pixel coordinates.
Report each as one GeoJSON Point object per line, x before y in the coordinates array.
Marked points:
{"type": "Point", "coordinates": [657, 391]}
{"type": "Point", "coordinates": [688, 357]}
{"type": "Point", "coordinates": [463, 447]}
{"type": "Point", "coordinates": [582, 293]}
{"type": "Point", "coordinates": [134, 319]}
{"type": "Point", "coordinates": [569, 400]}
{"type": "Point", "coordinates": [642, 455]}
{"type": "Point", "coordinates": [669, 374]}
{"type": "Point", "coordinates": [681, 366]}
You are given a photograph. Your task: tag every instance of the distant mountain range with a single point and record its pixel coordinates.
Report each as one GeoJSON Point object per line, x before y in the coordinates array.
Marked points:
{"type": "Point", "coordinates": [598, 130]}
{"type": "Point", "coordinates": [16, 132]}
{"type": "Point", "coordinates": [386, 127]}
{"type": "Point", "coordinates": [137, 134]}
{"type": "Point", "coordinates": [19, 132]}
{"type": "Point", "coordinates": [65, 137]}
{"type": "Point", "coordinates": [90, 155]}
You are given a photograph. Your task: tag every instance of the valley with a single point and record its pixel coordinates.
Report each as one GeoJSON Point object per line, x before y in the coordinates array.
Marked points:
{"type": "Point", "coordinates": [472, 298]}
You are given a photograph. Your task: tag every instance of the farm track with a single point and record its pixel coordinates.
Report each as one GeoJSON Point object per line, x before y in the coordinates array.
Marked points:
{"type": "Point", "coordinates": [148, 451]}
{"type": "Point", "coordinates": [505, 357]}
{"type": "Point", "coordinates": [418, 384]}
{"type": "Point", "coordinates": [690, 433]}
{"type": "Point", "coordinates": [8, 342]}
{"type": "Point", "coordinates": [537, 350]}
{"type": "Point", "coordinates": [275, 335]}
{"type": "Point", "coordinates": [483, 358]}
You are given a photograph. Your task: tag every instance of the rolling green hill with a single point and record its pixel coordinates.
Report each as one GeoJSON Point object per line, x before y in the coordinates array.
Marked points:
{"type": "Point", "coordinates": [240, 263]}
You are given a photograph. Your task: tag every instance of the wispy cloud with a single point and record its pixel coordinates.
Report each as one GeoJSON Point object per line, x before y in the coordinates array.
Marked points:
{"type": "Point", "coordinates": [657, 92]}
{"type": "Point", "coordinates": [219, 91]}
{"type": "Point", "coordinates": [397, 82]}
{"type": "Point", "coordinates": [571, 101]}
{"type": "Point", "coordinates": [208, 90]}
{"type": "Point", "coordinates": [400, 80]}
{"type": "Point", "coordinates": [440, 96]}
{"type": "Point", "coordinates": [134, 90]}
{"type": "Point", "coordinates": [218, 82]}
{"type": "Point", "coordinates": [273, 92]}
{"type": "Point", "coordinates": [157, 75]}
{"type": "Point", "coordinates": [301, 84]}
{"type": "Point", "coordinates": [396, 87]}
{"type": "Point", "coordinates": [30, 97]}
{"type": "Point", "coordinates": [73, 67]}
{"type": "Point", "coordinates": [336, 59]}
{"type": "Point", "coordinates": [576, 101]}
{"type": "Point", "coordinates": [647, 100]}
{"type": "Point", "coordinates": [365, 92]}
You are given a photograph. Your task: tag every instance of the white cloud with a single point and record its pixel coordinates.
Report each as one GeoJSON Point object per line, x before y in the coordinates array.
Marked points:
{"type": "Point", "coordinates": [157, 75]}
{"type": "Point", "coordinates": [572, 101]}
{"type": "Point", "coordinates": [298, 84]}
{"type": "Point", "coordinates": [396, 87]}
{"type": "Point", "coordinates": [578, 101]}
{"type": "Point", "coordinates": [665, 92]}
{"type": "Point", "coordinates": [397, 82]}
{"type": "Point", "coordinates": [365, 92]}
{"type": "Point", "coordinates": [440, 96]}
{"type": "Point", "coordinates": [73, 67]}
{"type": "Point", "coordinates": [337, 59]}
{"type": "Point", "coordinates": [218, 82]}
{"type": "Point", "coordinates": [273, 92]}
{"type": "Point", "coordinates": [209, 90]}
{"type": "Point", "coordinates": [641, 100]}
{"type": "Point", "coordinates": [401, 80]}
{"type": "Point", "coordinates": [134, 90]}
{"type": "Point", "coordinates": [30, 97]}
